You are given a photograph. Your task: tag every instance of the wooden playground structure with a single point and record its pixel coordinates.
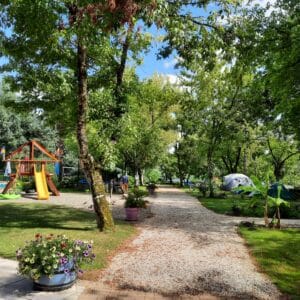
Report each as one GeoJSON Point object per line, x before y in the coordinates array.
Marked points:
{"type": "Point", "coordinates": [29, 166]}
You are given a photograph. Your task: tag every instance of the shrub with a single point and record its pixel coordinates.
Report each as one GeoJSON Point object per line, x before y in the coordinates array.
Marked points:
{"type": "Point", "coordinates": [236, 210]}
{"type": "Point", "coordinates": [136, 199]}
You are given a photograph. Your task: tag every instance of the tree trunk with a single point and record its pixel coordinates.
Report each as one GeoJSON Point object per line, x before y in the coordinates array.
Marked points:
{"type": "Point", "coordinates": [278, 225]}
{"type": "Point", "coordinates": [237, 160]}
{"type": "Point", "coordinates": [210, 174]}
{"type": "Point", "coordinates": [119, 95]}
{"type": "Point", "coordinates": [180, 172]}
{"type": "Point", "coordinates": [266, 219]}
{"type": "Point", "coordinates": [136, 179]}
{"type": "Point", "coordinates": [278, 171]}
{"type": "Point", "coordinates": [245, 161]}
{"type": "Point", "coordinates": [60, 151]}
{"type": "Point", "coordinates": [103, 214]}
{"type": "Point", "coordinates": [141, 177]}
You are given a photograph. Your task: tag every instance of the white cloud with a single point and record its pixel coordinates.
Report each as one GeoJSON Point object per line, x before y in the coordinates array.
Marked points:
{"type": "Point", "coordinates": [171, 78]}
{"type": "Point", "coordinates": [262, 3]}
{"type": "Point", "coordinates": [168, 64]}
{"type": "Point", "coordinates": [172, 63]}
{"type": "Point", "coordinates": [175, 80]}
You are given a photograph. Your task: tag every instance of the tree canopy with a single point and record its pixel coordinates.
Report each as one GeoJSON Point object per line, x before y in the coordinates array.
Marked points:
{"type": "Point", "coordinates": [236, 109]}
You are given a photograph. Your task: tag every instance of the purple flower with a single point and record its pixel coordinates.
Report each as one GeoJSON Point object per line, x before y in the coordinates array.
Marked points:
{"type": "Point", "coordinates": [89, 246]}
{"type": "Point", "coordinates": [66, 271]}
{"type": "Point", "coordinates": [63, 260]}
{"type": "Point", "coordinates": [86, 253]}
{"type": "Point", "coordinates": [93, 256]}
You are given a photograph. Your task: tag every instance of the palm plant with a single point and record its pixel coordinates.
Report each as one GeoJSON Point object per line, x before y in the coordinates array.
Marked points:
{"type": "Point", "coordinates": [277, 202]}
{"type": "Point", "coordinates": [259, 193]}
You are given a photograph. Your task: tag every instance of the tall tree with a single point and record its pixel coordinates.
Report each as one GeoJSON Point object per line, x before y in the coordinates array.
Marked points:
{"type": "Point", "coordinates": [145, 130]}
{"type": "Point", "coordinates": [18, 128]}
{"type": "Point", "coordinates": [66, 45]}
{"type": "Point", "coordinates": [267, 42]}
{"type": "Point", "coordinates": [70, 49]}
{"type": "Point", "coordinates": [281, 149]}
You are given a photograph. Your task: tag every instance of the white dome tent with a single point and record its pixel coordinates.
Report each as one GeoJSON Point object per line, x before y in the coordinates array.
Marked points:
{"type": "Point", "coordinates": [232, 181]}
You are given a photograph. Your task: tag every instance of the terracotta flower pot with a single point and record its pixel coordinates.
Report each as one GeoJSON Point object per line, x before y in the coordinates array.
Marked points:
{"type": "Point", "coordinates": [132, 213]}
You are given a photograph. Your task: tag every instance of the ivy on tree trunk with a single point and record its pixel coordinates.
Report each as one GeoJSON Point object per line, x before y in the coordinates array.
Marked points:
{"type": "Point", "coordinates": [101, 207]}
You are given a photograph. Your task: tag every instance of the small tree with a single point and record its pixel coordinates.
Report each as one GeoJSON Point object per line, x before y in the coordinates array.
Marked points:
{"type": "Point", "coordinates": [260, 195]}
{"type": "Point", "coordinates": [277, 202]}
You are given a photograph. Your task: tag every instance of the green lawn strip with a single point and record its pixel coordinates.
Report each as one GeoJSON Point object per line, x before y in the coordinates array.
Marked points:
{"type": "Point", "coordinates": [225, 206]}
{"type": "Point", "coordinates": [278, 254]}
{"type": "Point", "coordinates": [20, 222]}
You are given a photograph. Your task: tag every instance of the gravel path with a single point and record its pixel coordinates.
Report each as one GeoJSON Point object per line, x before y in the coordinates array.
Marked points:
{"type": "Point", "coordinates": [186, 249]}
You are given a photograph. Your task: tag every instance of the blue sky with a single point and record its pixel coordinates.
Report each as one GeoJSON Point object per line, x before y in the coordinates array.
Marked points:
{"type": "Point", "coordinates": [152, 65]}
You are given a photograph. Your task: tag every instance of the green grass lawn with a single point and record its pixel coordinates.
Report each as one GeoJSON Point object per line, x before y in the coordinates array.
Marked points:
{"type": "Point", "coordinates": [20, 222]}
{"type": "Point", "coordinates": [226, 206]}
{"type": "Point", "coordinates": [236, 205]}
{"type": "Point", "coordinates": [278, 254]}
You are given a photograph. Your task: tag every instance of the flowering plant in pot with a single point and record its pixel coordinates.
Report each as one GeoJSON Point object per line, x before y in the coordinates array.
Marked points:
{"type": "Point", "coordinates": [134, 201]}
{"type": "Point", "coordinates": [52, 262]}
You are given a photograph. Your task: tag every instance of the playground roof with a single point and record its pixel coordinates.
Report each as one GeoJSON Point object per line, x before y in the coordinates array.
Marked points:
{"type": "Point", "coordinates": [32, 146]}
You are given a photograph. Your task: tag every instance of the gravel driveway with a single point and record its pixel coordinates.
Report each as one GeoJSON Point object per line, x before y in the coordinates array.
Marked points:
{"type": "Point", "coordinates": [185, 249]}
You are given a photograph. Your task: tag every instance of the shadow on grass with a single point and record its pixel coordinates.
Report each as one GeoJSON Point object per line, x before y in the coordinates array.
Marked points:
{"type": "Point", "coordinates": [45, 216]}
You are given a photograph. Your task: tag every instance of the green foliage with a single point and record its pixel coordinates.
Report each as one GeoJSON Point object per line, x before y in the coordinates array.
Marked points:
{"type": "Point", "coordinates": [143, 130]}
{"type": "Point", "coordinates": [236, 208]}
{"type": "Point", "coordinates": [152, 175]}
{"type": "Point", "coordinates": [260, 194]}
{"type": "Point", "coordinates": [135, 198]}
{"type": "Point", "coordinates": [282, 150]}
{"type": "Point", "coordinates": [278, 255]}
{"type": "Point", "coordinates": [277, 202]}
{"type": "Point", "coordinates": [168, 167]}
{"type": "Point", "coordinates": [268, 46]}
{"type": "Point", "coordinates": [18, 128]}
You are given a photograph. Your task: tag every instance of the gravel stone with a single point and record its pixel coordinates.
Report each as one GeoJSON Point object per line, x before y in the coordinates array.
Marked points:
{"type": "Point", "coordinates": [186, 249]}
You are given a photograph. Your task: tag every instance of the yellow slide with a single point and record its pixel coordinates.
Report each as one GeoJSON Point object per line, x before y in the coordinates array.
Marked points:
{"type": "Point", "coordinates": [41, 184]}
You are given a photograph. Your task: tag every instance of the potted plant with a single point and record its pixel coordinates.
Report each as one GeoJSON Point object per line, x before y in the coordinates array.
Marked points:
{"type": "Point", "coordinates": [134, 201]}
{"type": "Point", "coordinates": [151, 187]}
{"type": "Point", "coordinates": [53, 262]}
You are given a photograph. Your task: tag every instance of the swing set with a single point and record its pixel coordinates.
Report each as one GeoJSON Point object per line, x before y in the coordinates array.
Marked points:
{"type": "Point", "coordinates": [31, 167]}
